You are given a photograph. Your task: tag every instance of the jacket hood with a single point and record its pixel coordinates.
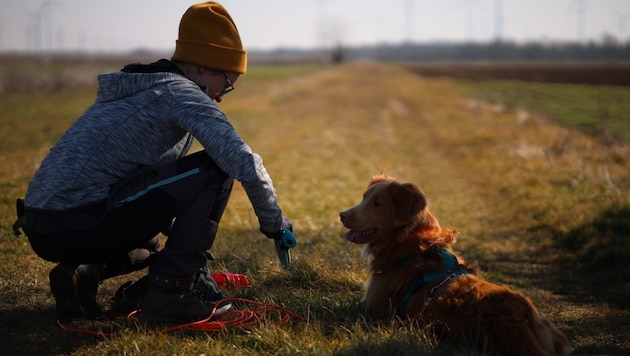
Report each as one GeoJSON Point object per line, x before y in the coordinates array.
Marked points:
{"type": "Point", "coordinates": [136, 77]}
{"type": "Point", "coordinates": [118, 85]}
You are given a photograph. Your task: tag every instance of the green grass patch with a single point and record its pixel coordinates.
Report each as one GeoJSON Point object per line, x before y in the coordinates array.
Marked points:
{"type": "Point", "coordinates": [596, 110]}
{"type": "Point", "coordinates": [25, 125]}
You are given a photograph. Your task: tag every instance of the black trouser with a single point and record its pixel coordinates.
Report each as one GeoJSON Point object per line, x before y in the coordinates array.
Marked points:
{"type": "Point", "coordinates": [191, 190]}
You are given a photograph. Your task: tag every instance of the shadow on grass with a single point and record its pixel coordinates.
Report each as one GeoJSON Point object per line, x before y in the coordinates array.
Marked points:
{"type": "Point", "coordinates": [590, 262]}
{"type": "Point", "coordinates": [598, 253]}
{"type": "Point", "coordinates": [589, 266]}
{"type": "Point", "coordinates": [318, 294]}
{"type": "Point", "coordinates": [35, 332]}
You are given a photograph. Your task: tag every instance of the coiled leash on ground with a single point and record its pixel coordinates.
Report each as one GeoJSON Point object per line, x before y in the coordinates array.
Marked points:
{"type": "Point", "coordinates": [233, 319]}
{"type": "Point", "coordinates": [245, 318]}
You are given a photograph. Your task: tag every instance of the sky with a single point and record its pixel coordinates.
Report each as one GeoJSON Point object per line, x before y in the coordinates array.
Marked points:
{"type": "Point", "coordinates": [122, 25]}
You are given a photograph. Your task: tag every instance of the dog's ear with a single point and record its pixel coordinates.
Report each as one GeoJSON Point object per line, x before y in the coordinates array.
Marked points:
{"type": "Point", "coordinates": [407, 201]}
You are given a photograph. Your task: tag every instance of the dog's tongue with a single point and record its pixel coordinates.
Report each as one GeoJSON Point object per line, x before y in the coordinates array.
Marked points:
{"type": "Point", "coordinates": [360, 237]}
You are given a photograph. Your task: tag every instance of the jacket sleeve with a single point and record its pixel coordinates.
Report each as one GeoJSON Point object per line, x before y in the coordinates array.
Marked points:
{"type": "Point", "coordinates": [202, 118]}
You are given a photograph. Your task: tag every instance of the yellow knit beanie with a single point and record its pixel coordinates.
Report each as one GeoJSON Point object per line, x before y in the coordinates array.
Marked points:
{"type": "Point", "coordinates": [208, 37]}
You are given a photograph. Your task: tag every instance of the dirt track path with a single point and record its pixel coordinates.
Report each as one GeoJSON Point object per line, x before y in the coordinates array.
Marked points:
{"type": "Point", "coordinates": [504, 178]}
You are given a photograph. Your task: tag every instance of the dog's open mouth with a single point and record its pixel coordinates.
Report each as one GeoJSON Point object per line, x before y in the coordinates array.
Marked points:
{"type": "Point", "coordinates": [361, 237]}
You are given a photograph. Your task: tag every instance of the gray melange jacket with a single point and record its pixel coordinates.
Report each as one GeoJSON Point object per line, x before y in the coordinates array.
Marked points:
{"type": "Point", "coordinates": [145, 119]}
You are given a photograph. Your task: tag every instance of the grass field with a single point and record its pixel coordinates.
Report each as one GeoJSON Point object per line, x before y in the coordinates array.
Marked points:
{"type": "Point", "coordinates": [542, 205]}
{"type": "Point", "coordinates": [601, 111]}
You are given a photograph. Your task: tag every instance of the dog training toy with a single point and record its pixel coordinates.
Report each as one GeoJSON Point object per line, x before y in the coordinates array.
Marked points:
{"type": "Point", "coordinates": [283, 245]}
{"type": "Point", "coordinates": [227, 279]}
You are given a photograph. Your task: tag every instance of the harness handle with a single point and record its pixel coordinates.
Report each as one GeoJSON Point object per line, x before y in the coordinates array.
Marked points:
{"type": "Point", "coordinates": [21, 217]}
{"type": "Point", "coordinates": [452, 269]}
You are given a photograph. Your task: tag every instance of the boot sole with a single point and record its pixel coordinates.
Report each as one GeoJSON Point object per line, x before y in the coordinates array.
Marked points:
{"type": "Point", "coordinates": [172, 321]}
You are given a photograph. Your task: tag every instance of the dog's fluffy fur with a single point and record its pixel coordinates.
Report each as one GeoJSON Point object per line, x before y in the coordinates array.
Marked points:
{"type": "Point", "coordinates": [402, 240]}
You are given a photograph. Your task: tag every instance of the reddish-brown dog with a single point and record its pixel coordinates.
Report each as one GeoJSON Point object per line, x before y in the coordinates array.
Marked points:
{"type": "Point", "coordinates": [413, 272]}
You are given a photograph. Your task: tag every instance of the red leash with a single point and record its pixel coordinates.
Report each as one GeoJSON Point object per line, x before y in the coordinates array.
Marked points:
{"type": "Point", "coordinates": [237, 318]}
{"type": "Point", "coordinates": [232, 319]}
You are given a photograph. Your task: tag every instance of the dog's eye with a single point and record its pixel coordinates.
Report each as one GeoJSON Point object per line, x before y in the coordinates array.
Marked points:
{"type": "Point", "coordinates": [377, 203]}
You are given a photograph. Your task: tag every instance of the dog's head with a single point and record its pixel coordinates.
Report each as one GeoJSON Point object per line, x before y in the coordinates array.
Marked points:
{"type": "Point", "coordinates": [387, 208]}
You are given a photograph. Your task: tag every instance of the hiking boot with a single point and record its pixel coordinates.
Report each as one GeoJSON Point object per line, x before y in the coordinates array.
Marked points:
{"type": "Point", "coordinates": [172, 306]}
{"type": "Point", "coordinates": [128, 297]}
{"type": "Point", "coordinates": [170, 301]}
{"type": "Point", "coordinates": [206, 286]}
{"type": "Point", "coordinates": [88, 279]}
{"type": "Point", "coordinates": [75, 290]}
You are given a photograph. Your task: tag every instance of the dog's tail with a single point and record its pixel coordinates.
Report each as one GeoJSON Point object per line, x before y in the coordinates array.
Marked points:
{"type": "Point", "coordinates": [528, 335]}
{"type": "Point", "coordinates": [498, 319]}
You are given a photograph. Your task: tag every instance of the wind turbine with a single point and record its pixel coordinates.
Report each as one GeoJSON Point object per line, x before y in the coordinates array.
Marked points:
{"type": "Point", "coordinates": [622, 20]}
{"type": "Point", "coordinates": [408, 20]}
{"type": "Point", "coordinates": [469, 11]}
{"type": "Point", "coordinates": [322, 24]}
{"type": "Point", "coordinates": [44, 25]}
{"type": "Point", "coordinates": [498, 20]}
{"type": "Point", "coordinates": [580, 9]}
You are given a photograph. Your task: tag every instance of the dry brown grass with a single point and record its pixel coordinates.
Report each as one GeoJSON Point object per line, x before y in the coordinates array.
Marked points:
{"type": "Point", "coordinates": [514, 184]}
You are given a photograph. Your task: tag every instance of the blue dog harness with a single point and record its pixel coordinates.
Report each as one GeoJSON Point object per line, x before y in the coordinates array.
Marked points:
{"type": "Point", "coordinates": [451, 270]}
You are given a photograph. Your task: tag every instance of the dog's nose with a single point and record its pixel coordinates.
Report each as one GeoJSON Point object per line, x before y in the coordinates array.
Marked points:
{"type": "Point", "coordinates": [343, 215]}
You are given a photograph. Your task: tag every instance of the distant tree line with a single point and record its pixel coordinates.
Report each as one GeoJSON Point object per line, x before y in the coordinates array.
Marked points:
{"type": "Point", "coordinates": [606, 49]}
{"type": "Point", "coordinates": [496, 51]}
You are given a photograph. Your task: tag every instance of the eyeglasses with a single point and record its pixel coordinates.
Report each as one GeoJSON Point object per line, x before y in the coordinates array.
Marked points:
{"type": "Point", "coordinates": [229, 87]}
